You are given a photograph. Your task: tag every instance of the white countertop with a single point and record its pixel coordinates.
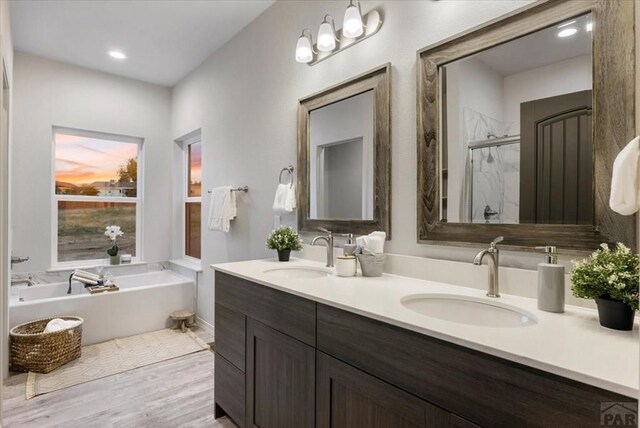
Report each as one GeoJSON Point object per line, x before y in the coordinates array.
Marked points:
{"type": "Point", "coordinates": [572, 345]}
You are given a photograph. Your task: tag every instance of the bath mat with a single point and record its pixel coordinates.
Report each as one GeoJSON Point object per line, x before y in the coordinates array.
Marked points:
{"type": "Point", "coordinates": [116, 356]}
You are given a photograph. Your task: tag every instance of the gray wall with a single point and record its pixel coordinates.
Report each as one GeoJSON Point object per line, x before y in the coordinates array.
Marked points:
{"type": "Point", "coordinates": [245, 99]}
{"type": "Point", "coordinates": [343, 177]}
{"type": "Point", "coordinates": [50, 93]}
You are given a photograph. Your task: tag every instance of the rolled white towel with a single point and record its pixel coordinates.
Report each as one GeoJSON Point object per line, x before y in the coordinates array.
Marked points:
{"type": "Point", "coordinates": [382, 235]}
{"type": "Point", "coordinates": [85, 274]}
{"type": "Point", "coordinates": [58, 324]}
{"type": "Point", "coordinates": [373, 242]}
{"type": "Point", "coordinates": [84, 280]}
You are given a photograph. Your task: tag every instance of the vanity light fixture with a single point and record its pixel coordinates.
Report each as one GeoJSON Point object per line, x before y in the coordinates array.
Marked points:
{"type": "Point", "coordinates": [304, 48]}
{"type": "Point", "coordinates": [117, 55]}
{"type": "Point", "coordinates": [355, 29]}
{"type": "Point", "coordinates": [589, 26]}
{"type": "Point", "coordinates": [327, 35]}
{"type": "Point", "coordinates": [567, 32]}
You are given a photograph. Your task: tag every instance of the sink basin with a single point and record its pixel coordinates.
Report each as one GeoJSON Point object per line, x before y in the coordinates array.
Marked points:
{"type": "Point", "coordinates": [468, 310]}
{"type": "Point", "coordinates": [298, 273]}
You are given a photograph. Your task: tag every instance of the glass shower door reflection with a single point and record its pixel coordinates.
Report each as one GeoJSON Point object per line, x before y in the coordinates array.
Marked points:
{"type": "Point", "coordinates": [495, 183]}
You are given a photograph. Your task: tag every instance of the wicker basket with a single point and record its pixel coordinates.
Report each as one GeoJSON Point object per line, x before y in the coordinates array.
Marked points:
{"type": "Point", "coordinates": [33, 350]}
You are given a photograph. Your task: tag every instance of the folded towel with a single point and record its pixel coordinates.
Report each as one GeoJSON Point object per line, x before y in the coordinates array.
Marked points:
{"type": "Point", "coordinates": [58, 324]}
{"type": "Point", "coordinates": [625, 182]}
{"type": "Point", "coordinates": [222, 209]}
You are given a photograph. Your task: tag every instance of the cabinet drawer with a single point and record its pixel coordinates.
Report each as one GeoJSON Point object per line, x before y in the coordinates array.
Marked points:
{"type": "Point", "coordinates": [487, 390]}
{"type": "Point", "coordinates": [284, 312]}
{"type": "Point", "coordinates": [229, 390]}
{"type": "Point", "coordinates": [230, 335]}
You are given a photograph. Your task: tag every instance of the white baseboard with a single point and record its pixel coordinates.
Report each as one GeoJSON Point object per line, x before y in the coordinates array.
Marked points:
{"type": "Point", "coordinates": [205, 326]}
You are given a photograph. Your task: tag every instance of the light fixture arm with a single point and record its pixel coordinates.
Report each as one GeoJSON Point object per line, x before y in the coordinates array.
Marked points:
{"type": "Point", "coordinates": [364, 25]}
{"type": "Point", "coordinates": [333, 25]}
{"type": "Point", "coordinates": [309, 35]}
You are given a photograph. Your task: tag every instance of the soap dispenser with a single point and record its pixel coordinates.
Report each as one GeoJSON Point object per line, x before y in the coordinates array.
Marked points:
{"type": "Point", "coordinates": [550, 282]}
{"type": "Point", "coordinates": [350, 247]}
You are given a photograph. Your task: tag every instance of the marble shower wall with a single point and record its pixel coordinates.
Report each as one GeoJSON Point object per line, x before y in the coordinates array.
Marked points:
{"type": "Point", "coordinates": [496, 170]}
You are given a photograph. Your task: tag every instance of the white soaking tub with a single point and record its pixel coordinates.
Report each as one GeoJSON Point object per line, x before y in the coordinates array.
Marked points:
{"type": "Point", "coordinates": [142, 304]}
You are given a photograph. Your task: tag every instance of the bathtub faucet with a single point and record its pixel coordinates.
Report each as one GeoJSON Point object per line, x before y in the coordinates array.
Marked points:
{"type": "Point", "coordinates": [17, 281]}
{"type": "Point", "coordinates": [70, 279]}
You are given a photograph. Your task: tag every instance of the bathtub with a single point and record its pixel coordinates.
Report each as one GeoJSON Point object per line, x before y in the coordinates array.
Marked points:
{"type": "Point", "coordinates": [142, 304]}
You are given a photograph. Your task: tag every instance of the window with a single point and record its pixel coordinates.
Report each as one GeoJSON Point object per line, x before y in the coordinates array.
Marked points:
{"type": "Point", "coordinates": [96, 185]}
{"type": "Point", "coordinates": [193, 200]}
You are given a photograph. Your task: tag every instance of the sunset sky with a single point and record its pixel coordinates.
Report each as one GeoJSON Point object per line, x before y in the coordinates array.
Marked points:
{"type": "Point", "coordinates": [81, 160]}
{"type": "Point", "coordinates": [195, 160]}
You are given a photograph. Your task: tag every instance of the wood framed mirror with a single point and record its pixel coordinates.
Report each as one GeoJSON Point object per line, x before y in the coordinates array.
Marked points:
{"type": "Point", "coordinates": [344, 156]}
{"type": "Point", "coordinates": [519, 123]}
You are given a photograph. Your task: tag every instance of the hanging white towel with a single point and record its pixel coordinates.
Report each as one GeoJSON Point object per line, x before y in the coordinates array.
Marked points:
{"type": "Point", "coordinates": [290, 204]}
{"type": "Point", "coordinates": [222, 209]}
{"type": "Point", "coordinates": [280, 199]}
{"type": "Point", "coordinates": [625, 182]}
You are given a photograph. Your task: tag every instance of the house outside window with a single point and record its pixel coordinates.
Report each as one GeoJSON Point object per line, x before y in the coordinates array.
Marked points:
{"type": "Point", "coordinates": [96, 185]}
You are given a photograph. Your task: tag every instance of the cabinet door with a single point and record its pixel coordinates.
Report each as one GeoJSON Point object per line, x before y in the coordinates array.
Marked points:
{"type": "Point", "coordinates": [280, 379]}
{"type": "Point", "coordinates": [347, 397]}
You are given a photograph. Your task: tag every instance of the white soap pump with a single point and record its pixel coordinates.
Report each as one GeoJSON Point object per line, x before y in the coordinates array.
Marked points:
{"type": "Point", "coordinates": [550, 282]}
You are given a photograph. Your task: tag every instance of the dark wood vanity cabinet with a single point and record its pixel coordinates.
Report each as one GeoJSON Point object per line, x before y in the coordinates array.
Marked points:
{"type": "Point", "coordinates": [280, 379]}
{"type": "Point", "coordinates": [286, 362]}
{"type": "Point", "coordinates": [347, 397]}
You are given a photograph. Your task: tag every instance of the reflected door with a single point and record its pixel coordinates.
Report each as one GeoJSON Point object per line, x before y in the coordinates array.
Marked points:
{"type": "Point", "coordinates": [557, 186]}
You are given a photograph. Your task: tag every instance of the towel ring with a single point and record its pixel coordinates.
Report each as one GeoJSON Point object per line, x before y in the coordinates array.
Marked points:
{"type": "Point", "coordinates": [288, 169]}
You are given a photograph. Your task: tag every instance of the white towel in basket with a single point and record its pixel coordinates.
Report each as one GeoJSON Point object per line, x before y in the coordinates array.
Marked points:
{"type": "Point", "coordinates": [58, 324]}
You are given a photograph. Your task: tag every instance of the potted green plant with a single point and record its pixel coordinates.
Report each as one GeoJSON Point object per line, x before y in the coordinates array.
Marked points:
{"type": "Point", "coordinates": [610, 277]}
{"type": "Point", "coordinates": [113, 233]}
{"type": "Point", "coordinates": [284, 240]}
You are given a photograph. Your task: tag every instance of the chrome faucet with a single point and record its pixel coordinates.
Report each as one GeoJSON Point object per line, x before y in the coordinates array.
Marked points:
{"type": "Point", "coordinates": [15, 260]}
{"type": "Point", "coordinates": [329, 242]}
{"type": "Point", "coordinates": [493, 262]}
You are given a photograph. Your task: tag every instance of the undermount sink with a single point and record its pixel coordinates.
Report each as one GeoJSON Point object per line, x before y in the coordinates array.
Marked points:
{"type": "Point", "coordinates": [468, 310]}
{"type": "Point", "coordinates": [298, 272]}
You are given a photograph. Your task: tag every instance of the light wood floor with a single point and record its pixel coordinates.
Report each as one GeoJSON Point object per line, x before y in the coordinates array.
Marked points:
{"type": "Point", "coordinates": [173, 393]}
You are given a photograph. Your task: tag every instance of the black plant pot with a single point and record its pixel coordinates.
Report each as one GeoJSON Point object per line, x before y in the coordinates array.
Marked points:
{"type": "Point", "coordinates": [283, 255]}
{"type": "Point", "coordinates": [615, 314]}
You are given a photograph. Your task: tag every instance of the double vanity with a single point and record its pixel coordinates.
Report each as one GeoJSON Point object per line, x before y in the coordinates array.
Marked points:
{"type": "Point", "coordinates": [297, 346]}
{"type": "Point", "coordinates": [518, 123]}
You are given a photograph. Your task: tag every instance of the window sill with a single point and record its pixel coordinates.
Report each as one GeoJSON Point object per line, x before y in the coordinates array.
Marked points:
{"type": "Point", "coordinates": [194, 265]}
{"type": "Point", "coordinates": [90, 264]}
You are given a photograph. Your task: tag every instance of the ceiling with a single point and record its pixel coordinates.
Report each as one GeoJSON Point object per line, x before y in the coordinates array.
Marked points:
{"type": "Point", "coordinates": [163, 39]}
{"type": "Point", "coordinates": [539, 49]}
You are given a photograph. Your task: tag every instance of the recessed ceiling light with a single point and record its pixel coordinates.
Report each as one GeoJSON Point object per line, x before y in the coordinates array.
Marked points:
{"type": "Point", "coordinates": [567, 32]}
{"type": "Point", "coordinates": [117, 55]}
{"type": "Point", "coordinates": [566, 23]}
{"type": "Point", "coordinates": [589, 26]}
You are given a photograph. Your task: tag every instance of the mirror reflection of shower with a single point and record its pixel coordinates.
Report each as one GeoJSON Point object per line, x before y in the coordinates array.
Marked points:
{"type": "Point", "coordinates": [492, 179]}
